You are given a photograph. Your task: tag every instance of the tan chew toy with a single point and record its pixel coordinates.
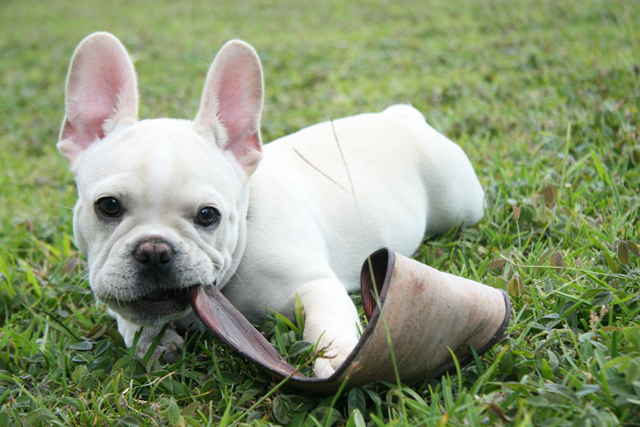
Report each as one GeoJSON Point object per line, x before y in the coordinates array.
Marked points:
{"type": "Point", "coordinates": [426, 312]}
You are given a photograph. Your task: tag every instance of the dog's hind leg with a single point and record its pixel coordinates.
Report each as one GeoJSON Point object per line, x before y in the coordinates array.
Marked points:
{"type": "Point", "coordinates": [454, 194]}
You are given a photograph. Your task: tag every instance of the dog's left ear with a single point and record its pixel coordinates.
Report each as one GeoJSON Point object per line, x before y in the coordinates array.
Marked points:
{"type": "Point", "coordinates": [232, 103]}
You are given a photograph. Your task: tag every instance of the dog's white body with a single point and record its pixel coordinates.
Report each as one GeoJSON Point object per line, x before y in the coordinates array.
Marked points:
{"type": "Point", "coordinates": [302, 221]}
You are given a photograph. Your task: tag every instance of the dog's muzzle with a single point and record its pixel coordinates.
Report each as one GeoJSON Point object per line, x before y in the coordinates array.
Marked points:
{"type": "Point", "coordinates": [160, 293]}
{"type": "Point", "coordinates": [156, 268]}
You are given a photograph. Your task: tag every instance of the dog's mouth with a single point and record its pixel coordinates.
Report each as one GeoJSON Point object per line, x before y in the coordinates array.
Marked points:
{"type": "Point", "coordinates": [163, 295]}
{"type": "Point", "coordinates": [160, 303]}
{"type": "Point", "coordinates": [156, 307]}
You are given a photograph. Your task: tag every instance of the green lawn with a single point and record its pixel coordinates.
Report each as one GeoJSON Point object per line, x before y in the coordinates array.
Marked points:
{"type": "Point", "coordinates": [544, 96]}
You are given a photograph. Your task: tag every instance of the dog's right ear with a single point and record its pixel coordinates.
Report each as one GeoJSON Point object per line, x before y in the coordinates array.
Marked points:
{"type": "Point", "coordinates": [232, 103]}
{"type": "Point", "coordinates": [101, 94]}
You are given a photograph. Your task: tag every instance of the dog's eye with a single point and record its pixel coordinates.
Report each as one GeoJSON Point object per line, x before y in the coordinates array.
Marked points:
{"type": "Point", "coordinates": [109, 207]}
{"type": "Point", "coordinates": [208, 216]}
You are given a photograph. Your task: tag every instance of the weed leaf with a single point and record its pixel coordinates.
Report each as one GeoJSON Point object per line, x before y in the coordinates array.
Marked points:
{"type": "Point", "coordinates": [282, 409]}
{"type": "Point", "coordinates": [623, 253]}
{"type": "Point", "coordinates": [173, 413]}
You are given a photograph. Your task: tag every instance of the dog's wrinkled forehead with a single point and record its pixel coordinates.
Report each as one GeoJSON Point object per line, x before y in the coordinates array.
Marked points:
{"type": "Point", "coordinates": [159, 159]}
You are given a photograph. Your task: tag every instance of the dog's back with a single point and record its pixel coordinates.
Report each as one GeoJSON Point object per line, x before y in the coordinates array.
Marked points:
{"type": "Point", "coordinates": [339, 190]}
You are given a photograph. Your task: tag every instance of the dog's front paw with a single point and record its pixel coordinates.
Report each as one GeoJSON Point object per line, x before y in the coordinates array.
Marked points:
{"type": "Point", "coordinates": [329, 362]}
{"type": "Point", "coordinates": [168, 348]}
{"type": "Point", "coordinates": [325, 367]}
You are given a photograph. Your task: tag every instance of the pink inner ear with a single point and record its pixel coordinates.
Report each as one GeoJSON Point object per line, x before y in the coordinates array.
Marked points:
{"type": "Point", "coordinates": [247, 150]}
{"type": "Point", "coordinates": [85, 126]}
{"type": "Point", "coordinates": [100, 99]}
{"type": "Point", "coordinates": [232, 102]}
{"type": "Point", "coordinates": [239, 109]}
{"type": "Point", "coordinates": [236, 105]}
{"type": "Point", "coordinates": [97, 115]}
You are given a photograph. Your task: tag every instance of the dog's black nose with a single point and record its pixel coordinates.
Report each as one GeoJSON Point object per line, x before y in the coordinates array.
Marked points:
{"type": "Point", "coordinates": [153, 252]}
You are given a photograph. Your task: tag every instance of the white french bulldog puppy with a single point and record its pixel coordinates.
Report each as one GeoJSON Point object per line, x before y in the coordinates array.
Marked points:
{"type": "Point", "coordinates": [165, 205]}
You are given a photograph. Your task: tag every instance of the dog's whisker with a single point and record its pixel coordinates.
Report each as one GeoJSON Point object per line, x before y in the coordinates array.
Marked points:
{"type": "Point", "coordinates": [235, 274]}
{"type": "Point", "coordinates": [78, 281]}
{"type": "Point", "coordinates": [63, 206]}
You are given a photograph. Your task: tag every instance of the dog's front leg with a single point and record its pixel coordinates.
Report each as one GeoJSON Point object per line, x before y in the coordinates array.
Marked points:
{"type": "Point", "coordinates": [331, 322]}
{"type": "Point", "coordinates": [168, 346]}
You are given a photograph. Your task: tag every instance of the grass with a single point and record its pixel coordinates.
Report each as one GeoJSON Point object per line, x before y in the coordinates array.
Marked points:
{"type": "Point", "coordinates": [543, 96]}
